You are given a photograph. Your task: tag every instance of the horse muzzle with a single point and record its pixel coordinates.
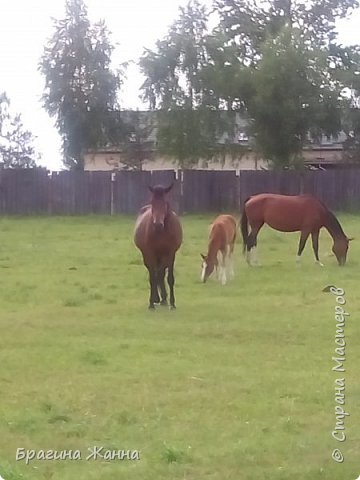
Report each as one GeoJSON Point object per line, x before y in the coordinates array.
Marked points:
{"type": "Point", "coordinates": [159, 226]}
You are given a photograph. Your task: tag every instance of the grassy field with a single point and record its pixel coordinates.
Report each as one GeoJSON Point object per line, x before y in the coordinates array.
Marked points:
{"type": "Point", "coordinates": [237, 383]}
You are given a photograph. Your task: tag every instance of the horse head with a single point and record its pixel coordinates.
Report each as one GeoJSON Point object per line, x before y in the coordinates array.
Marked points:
{"type": "Point", "coordinates": [340, 249]}
{"type": "Point", "coordinates": [159, 205]}
{"type": "Point", "coordinates": [208, 265]}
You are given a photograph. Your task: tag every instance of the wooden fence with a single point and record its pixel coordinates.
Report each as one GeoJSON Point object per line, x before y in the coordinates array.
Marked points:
{"type": "Point", "coordinates": [28, 192]}
{"type": "Point", "coordinates": [338, 189]}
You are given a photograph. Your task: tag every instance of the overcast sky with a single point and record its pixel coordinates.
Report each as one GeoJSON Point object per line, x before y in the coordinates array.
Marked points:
{"type": "Point", "coordinates": [26, 24]}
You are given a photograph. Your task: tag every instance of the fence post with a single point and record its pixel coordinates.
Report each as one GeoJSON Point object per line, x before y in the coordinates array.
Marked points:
{"type": "Point", "coordinates": [237, 202]}
{"type": "Point", "coordinates": [240, 190]}
{"type": "Point", "coordinates": [180, 176]}
{"type": "Point", "coordinates": [112, 182]}
{"type": "Point", "coordinates": [50, 194]}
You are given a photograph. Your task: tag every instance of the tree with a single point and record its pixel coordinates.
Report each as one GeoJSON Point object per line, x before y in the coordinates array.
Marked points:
{"type": "Point", "coordinates": [276, 63]}
{"type": "Point", "coordinates": [348, 73]}
{"type": "Point", "coordinates": [248, 24]}
{"type": "Point", "coordinates": [80, 87]}
{"type": "Point", "coordinates": [171, 70]}
{"type": "Point", "coordinates": [290, 48]}
{"type": "Point", "coordinates": [16, 143]}
{"type": "Point", "coordinates": [178, 84]}
{"type": "Point", "coordinates": [139, 144]}
{"type": "Point", "coordinates": [293, 99]}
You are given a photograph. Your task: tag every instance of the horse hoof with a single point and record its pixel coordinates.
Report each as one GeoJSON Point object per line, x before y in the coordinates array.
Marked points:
{"type": "Point", "coordinates": [151, 307]}
{"type": "Point", "coordinates": [164, 303]}
{"type": "Point", "coordinates": [172, 307]}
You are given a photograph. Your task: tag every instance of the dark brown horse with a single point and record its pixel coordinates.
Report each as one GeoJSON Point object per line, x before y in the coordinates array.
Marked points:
{"type": "Point", "coordinates": [158, 235]}
{"type": "Point", "coordinates": [292, 213]}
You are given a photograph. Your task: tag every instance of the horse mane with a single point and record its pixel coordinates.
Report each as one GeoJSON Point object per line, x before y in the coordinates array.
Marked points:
{"type": "Point", "coordinates": [144, 208]}
{"type": "Point", "coordinates": [333, 223]}
{"type": "Point", "coordinates": [213, 227]}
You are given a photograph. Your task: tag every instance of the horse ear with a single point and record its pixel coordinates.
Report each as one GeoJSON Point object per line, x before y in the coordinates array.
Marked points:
{"type": "Point", "coordinates": [167, 190]}
{"type": "Point", "coordinates": [351, 239]}
{"type": "Point", "coordinates": [151, 189]}
{"type": "Point", "coordinates": [202, 256]}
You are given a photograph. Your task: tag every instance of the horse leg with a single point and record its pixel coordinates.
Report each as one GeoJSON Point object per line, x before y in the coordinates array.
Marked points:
{"type": "Point", "coordinates": [315, 244]}
{"type": "Point", "coordinates": [303, 238]}
{"type": "Point", "coordinates": [157, 281]}
{"type": "Point", "coordinates": [231, 261]}
{"type": "Point", "coordinates": [154, 295]}
{"type": "Point", "coordinates": [218, 266]}
{"type": "Point", "coordinates": [223, 266]}
{"type": "Point", "coordinates": [161, 284]}
{"type": "Point", "coordinates": [217, 270]}
{"type": "Point", "coordinates": [252, 243]}
{"type": "Point", "coordinates": [228, 262]}
{"type": "Point", "coordinates": [171, 282]}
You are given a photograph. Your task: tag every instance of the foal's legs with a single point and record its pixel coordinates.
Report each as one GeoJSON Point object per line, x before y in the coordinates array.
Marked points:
{"type": "Point", "coordinates": [315, 244]}
{"type": "Point", "coordinates": [227, 265]}
{"type": "Point", "coordinates": [252, 242]}
{"type": "Point", "coordinates": [223, 266]}
{"type": "Point", "coordinates": [231, 260]}
{"type": "Point", "coordinates": [303, 238]}
{"type": "Point", "coordinates": [218, 271]}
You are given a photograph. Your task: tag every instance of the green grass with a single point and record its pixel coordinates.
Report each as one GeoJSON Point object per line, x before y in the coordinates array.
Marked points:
{"type": "Point", "coordinates": [234, 384]}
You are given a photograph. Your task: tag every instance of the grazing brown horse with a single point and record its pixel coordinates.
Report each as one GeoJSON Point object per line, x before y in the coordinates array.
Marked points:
{"type": "Point", "coordinates": [222, 237]}
{"type": "Point", "coordinates": [158, 235]}
{"type": "Point", "coordinates": [292, 213]}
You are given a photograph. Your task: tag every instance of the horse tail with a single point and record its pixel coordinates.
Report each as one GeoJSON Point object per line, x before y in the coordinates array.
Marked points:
{"type": "Point", "coordinates": [244, 227]}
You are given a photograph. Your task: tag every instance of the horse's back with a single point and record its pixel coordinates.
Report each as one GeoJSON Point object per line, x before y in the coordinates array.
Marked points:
{"type": "Point", "coordinates": [278, 199]}
{"type": "Point", "coordinates": [285, 212]}
{"type": "Point", "coordinates": [224, 226]}
{"type": "Point", "coordinates": [227, 220]}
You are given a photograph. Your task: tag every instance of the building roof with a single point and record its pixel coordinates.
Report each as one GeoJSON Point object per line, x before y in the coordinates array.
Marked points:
{"type": "Point", "coordinates": [145, 125]}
